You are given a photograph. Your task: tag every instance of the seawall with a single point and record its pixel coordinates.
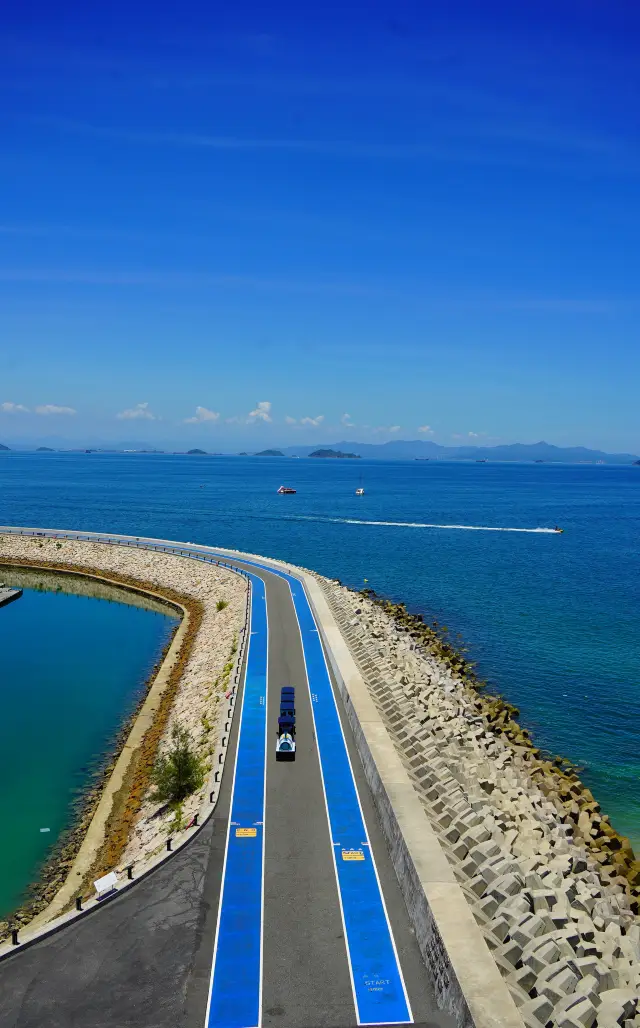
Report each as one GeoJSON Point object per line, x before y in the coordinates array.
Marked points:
{"type": "Point", "coordinates": [553, 909]}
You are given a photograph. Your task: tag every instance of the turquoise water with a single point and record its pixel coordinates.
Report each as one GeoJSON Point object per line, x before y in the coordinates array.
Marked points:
{"type": "Point", "coordinates": [72, 668]}
{"type": "Point", "coordinates": [552, 620]}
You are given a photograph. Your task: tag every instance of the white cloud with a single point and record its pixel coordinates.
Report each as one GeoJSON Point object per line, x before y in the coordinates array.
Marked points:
{"type": "Point", "coordinates": [202, 414]}
{"type": "Point", "coordinates": [473, 435]}
{"type": "Point", "coordinates": [13, 408]}
{"type": "Point", "coordinates": [52, 408]}
{"type": "Point", "coordinates": [140, 411]}
{"type": "Point", "coordinates": [426, 429]}
{"type": "Point", "coordinates": [261, 413]}
{"type": "Point", "coordinates": [312, 421]}
{"type": "Point", "coordinates": [346, 420]}
{"type": "Point", "coordinates": [385, 428]}
{"type": "Point", "coordinates": [290, 421]}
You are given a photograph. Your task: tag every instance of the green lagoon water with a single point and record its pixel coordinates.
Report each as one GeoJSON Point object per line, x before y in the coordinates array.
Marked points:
{"type": "Point", "coordinates": [72, 669]}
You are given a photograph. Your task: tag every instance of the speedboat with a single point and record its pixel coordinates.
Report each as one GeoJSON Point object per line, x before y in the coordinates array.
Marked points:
{"type": "Point", "coordinates": [359, 491]}
{"type": "Point", "coordinates": [286, 489]}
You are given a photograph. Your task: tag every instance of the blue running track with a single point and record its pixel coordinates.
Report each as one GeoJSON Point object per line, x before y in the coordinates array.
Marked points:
{"type": "Point", "coordinates": [235, 997]}
{"type": "Point", "coordinates": [378, 986]}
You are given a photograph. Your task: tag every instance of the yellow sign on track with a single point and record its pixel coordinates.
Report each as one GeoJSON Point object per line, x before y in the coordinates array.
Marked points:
{"type": "Point", "coordinates": [352, 855]}
{"type": "Point", "coordinates": [246, 833]}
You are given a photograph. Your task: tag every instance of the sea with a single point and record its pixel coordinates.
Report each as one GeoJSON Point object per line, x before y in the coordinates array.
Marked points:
{"type": "Point", "coordinates": [551, 619]}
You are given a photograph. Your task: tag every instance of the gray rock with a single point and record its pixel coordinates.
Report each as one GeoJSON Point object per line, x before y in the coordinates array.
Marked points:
{"type": "Point", "coordinates": [618, 1004]}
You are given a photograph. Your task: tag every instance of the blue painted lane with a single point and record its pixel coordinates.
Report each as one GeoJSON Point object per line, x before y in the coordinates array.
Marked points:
{"type": "Point", "coordinates": [236, 982]}
{"type": "Point", "coordinates": [378, 984]}
{"type": "Point", "coordinates": [379, 991]}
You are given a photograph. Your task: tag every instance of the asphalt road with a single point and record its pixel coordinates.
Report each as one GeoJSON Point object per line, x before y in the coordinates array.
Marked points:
{"type": "Point", "coordinates": [145, 958]}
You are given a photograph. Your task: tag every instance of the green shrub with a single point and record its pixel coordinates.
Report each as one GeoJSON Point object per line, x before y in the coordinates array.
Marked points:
{"type": "Point", "coordinates": [221, 604]}
{"type": "Point", "coordinates": [180, 772]}
{"type": "Point", "coordinates": [177, 822]}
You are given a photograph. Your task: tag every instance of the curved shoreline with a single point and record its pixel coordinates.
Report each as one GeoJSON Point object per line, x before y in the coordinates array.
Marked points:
{"type": "Point", "coordinates": [101, 830]}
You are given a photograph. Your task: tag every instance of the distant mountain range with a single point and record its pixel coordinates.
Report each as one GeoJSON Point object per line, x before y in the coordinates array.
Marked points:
{"type": "Point", "coordinates": [409, 449]}
{"type": "Point", "coordinates": [401, 449]}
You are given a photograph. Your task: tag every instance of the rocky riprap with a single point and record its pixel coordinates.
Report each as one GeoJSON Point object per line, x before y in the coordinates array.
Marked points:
{"type": "Point", "coordinates": [554, 888]}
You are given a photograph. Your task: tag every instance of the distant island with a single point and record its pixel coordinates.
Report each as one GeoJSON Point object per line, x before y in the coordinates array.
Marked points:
{"type": "Point", "coordinates": [333, 453]}
{"type": "Point", "coordinates": [397, 449]}
{"type": "Point", "coordinates": [410, 449]}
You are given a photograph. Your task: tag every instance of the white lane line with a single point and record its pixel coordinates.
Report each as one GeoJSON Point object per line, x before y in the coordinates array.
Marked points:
{"type": "Point", "coordinates": [355, 786]}
{"type": "Point", "coordinates": [326, 807]}
{"type": "Point", "coordinates": [264, 809]}
{"type": "Point", "coordinates": [233, 789]}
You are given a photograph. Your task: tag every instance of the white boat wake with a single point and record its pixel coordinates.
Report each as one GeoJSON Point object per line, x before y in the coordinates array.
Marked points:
{"type": "Point", "coordinates": [465, 528]}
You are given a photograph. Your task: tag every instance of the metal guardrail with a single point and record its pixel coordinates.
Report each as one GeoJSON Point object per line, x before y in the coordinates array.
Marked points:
{"type": "Point", "coordinates": [215, 776]}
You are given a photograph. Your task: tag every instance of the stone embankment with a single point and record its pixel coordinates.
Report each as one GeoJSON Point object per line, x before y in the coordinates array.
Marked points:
{"type": "Point", "coordinates": [136, 828]}
{"type": "Point", "coordinates": [552, 885]}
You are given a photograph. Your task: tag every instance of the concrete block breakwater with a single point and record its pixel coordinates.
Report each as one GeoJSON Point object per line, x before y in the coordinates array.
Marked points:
{"type": "Point", "coordinates": [554, 889]}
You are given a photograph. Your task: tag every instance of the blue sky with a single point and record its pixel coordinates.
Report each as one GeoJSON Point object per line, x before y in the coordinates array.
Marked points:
{"type": "Point", "coordinates": [359, 221]}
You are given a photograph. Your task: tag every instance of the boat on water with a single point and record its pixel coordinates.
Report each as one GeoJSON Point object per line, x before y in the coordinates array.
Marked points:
{"type": "Point", "coordinates": [558, 530]}
{"type": "Point", "coordinates": [360, 491]}
{"type": "Point", "coordinates": [286, 489]}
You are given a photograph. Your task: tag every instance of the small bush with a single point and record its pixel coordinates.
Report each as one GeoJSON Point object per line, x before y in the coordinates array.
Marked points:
{"type": "Point", "coordinates": [221, 604]}
{"type": "Point", "coordinates": [180, 772]}
{"type": "Point", "coordinates": [177, 822]}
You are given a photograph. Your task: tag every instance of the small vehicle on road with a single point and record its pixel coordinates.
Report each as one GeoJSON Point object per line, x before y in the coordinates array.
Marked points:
{"type": "Point", "coordinates": [285, 747]}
